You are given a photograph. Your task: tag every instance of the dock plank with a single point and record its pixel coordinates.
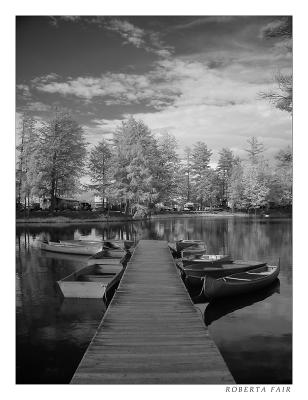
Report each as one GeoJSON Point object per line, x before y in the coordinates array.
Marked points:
{"type": "Point", "coordinates": [151, 332]}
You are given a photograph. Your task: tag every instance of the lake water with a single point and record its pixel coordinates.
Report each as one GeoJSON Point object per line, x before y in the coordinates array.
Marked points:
{"type": "Point", "coordinates": [253, 333]}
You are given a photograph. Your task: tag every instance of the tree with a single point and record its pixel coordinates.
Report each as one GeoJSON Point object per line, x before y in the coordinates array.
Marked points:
{"type": "Point", "coordinates": [280, 28]}
{"type": "Point", "coordinates": [168, 169]}
{"type": "Point", "coordinates": [236, 187]}
{"type": "Point", "coordinates": [226, 162]}
{"type": "Point", "coordinates": [282, 97]}
{"type": "Point", "coordinates": [187, 169]}
{"type": "Point", "coordinates": [100, 167]}
{"type": "Point", "coordinates": [281, 179]}
{"type": "Point", "coordinates": [60, 157]}
{"type": "Point", "coordinates": [255, 187]}
{"type": "Point", "coordinates": [25, 171]}
{"type": "Point", "coordinates": [284, 157]}
{"type": "Point", "coordinates": [136, 160]}
{"type": "Point", "coordinates": [255, 149]}
{"type": "Point", "coordinates": [208, 188]}
{"type": "Point", "coordinates": [201, 157]}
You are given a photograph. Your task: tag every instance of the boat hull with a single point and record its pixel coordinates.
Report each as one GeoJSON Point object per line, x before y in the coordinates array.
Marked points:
{"type": "Point", "coordinates": [183, 244]}
{"type": "Point", "coordinates": [71, 248]}
{"type": "Point", "coordinates": [205, 263]}
{"type": "Point", "coordinates": [193, 275]}
{"type": "Point", "coordinates": [216, 288]}
{"type": "Point", "coordinates": [91, 282]}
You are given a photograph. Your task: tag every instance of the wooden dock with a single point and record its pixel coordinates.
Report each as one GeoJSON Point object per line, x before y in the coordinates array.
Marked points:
{"type": "Point", "coordinates": [151, 332]}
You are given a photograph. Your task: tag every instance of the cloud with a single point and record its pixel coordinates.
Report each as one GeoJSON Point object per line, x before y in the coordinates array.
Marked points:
{"type": "Point", "coordinates": [129, 32]}
{"type": "Point", "coordinates": [204, 20]}
{"type": "Point", "coordinates": [23, 92]}
{"type": "Point", "coordinates": [147, 40]}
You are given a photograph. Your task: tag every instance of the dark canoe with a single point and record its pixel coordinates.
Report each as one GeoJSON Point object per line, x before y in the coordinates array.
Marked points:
{"type": "Point", "coordinates": [240, 283]}
{"type": "Point", "coordinates": [219, 308]}
{"type": "Point", "coordinates": [183, 244]}
{"type": "Point", "coordinates": [206, 259]}
{"type": "Point", "coordinates": [91, 282]}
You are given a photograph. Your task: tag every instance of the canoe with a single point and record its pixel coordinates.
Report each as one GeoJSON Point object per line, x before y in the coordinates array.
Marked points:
{"type": "Point", "coordinates": [79, 242]}
{"type": "Point", "coordinates": [239, 283]}
{"type": "Point", "coordinates": [219, 308]}
{"type": "Point", "coordinates": [193, 274]}
{"type": "Point", "coordinates": [91, 281]}
{"type": "Point", "coordinates": [69, 248]}
{"type": "Point", "coordinates": [193, 251]}
{"type": "Point", "coordinates": [183, 244]}
{"type": "Point", "coordinates": [206, 259]}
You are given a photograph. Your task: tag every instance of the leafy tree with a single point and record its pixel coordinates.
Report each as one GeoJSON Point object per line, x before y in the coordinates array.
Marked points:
{"type": "Point", "coordinates": [281, 179]}
{"type": "Point", "coordinates": [60, 157]}
{"type": "Point", "coordinates": [187, 170]}
{"type": "Point", "coordinates": [167, 171]}
{"type": "Point", "coordinates": [201, 157]}
{"type": "Point", "coordinates": [226, 162]}
{"type": "Point", "coordinates": [136, 161]}
{"type": "Point", "coordinates": [236, 187]}
{"type": "Point", "coordinates": [255, 187]}
{"type": "Point", "coordinates": [254, 150]}
{"type": "Point", "coordinates": [208, 188]}
{"type": "Point", "coordinates": [284, 157]}
{"type": "Point", "coordinates": [100, 166]}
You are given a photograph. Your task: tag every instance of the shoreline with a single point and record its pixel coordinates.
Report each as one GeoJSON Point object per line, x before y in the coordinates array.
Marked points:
{"type": "Point", "coordinates": [68, 220]}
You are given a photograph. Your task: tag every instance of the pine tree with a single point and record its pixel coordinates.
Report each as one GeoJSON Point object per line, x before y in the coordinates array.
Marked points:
{"type": "Point", "coordinates": [255, 149]}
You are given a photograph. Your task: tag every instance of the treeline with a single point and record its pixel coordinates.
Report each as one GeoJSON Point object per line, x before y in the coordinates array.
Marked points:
{"type": "Point", "coordinates": [138, 170]}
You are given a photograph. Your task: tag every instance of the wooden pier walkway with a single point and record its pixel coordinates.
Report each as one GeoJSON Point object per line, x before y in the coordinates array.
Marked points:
{"type": "Point", "coordinates": [151, 332]}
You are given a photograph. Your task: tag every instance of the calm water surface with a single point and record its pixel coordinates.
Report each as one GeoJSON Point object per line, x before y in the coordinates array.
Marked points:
{"type": "Point", "coordinates": [253, 333]}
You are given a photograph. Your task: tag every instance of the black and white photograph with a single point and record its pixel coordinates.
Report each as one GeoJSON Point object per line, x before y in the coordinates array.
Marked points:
{"type": "Point", "coordinates": [153, 200]}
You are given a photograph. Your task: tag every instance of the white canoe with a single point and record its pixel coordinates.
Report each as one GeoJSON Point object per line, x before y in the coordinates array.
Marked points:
{"type": "Point", "coordinates": [91, 282]}
{"type": "Point", "coordinates": [68, 248]}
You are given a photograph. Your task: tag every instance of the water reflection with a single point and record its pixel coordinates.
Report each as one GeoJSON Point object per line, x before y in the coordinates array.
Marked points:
{"type": "Point", "coordinates": [253, 333]}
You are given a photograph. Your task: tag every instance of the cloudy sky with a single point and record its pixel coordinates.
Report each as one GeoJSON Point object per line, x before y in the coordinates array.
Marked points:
{"type": "Point", "coordinates": [197, 78]}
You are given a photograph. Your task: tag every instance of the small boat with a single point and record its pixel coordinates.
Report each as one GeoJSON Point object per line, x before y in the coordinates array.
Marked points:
{"type": "Point", "coordinates": [119, 244]}
{"type": "Point", "coordinates": [91, 282]}
{"type": "Point", "coordinates": [239, 283]}
{"type": "Point", "coordinates": [79, 242]}
{"type": "Point", "coordinates": [219, 308]}
{"type": "Point", "coordinates": [112, 253]}
{"type": "Point", "coordinates": [206, 259]}
{"type": "Point", "coordinates": [193, 251]}
{"type": "Point", "coordinates": [183, 244]}
{"type": "Point", "coordinates": [109, 257]}
{"type": "Point", "coordinates": [193, 274]}
{"type": "Point", "coordinates": [71, 248]}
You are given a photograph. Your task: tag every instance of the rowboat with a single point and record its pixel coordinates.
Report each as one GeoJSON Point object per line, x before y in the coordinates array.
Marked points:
{"type": "Point", "coordinates": [242, 282]}
{"type": "Point", "coordinates": [122, 244]}
{"type": "Point", "coordinates": [193, 251]}
{"type": "Point", "coordinates": [91, 281]}
{"type": "Point", "coordinates": [109, 257]}
{"type": "Point", "coordinates": [193, 274]}
{"type": "Point", "coordinates": [219, 308]}
{"type": "Point", "coordinates": [71, 248]}
{"type": "Point", "coordinates": [206, 259]}
{"type": "Point", "coordinates": [183, 244]}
